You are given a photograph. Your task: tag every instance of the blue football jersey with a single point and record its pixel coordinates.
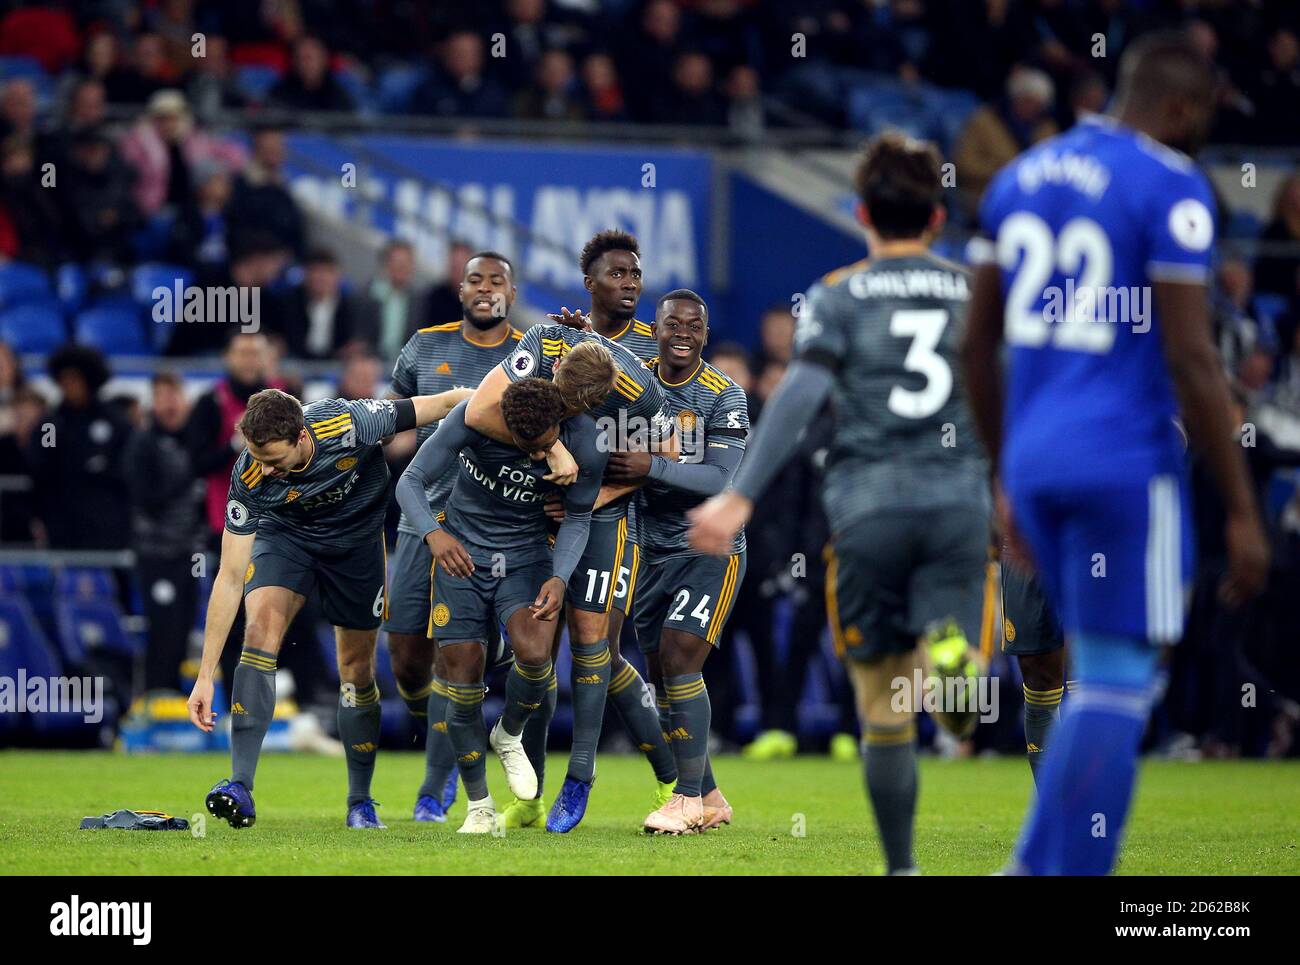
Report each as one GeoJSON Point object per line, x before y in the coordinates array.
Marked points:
{"type": "Point", "coordinates": [1081, 226]}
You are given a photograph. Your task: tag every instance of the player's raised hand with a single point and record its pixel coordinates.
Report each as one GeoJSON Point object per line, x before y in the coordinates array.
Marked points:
{"type": "Point", "coordinates": [628, 466]}
{"type": "Point", "coordinates": [549, 600]}
{"type": "Point", "coordinates": [715, 523]}
{"type": "Point", "coordinates": [573, 319]}
{"type": "Point", "coordinates": [564, 468]}
{"type": "Point", "coordinates": [200, 705]}
{"type": "Point", "coordinates": [450, 554]}
{"type": "Point", "coordinates": [554, 509]}
{"type": "Point", "coordinates": [1248, 558]}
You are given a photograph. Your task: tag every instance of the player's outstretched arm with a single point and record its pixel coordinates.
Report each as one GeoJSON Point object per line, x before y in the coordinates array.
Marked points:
{"type": "Point", "coordinates": [435, 456]}
{"type": "Point", "coordinates": [1202, 390]}
{"type": "Point", "coordinates": [705, 478]}
{"type": "Point", "coordinates": [435, 408]}
{"type": "Point", "coordinates": [793, 405]}
{"type": "Point", "coordinates": [484, 411]}
{"type": "Point", "coordinates": [980, 362]}
{"type": "Point", "coordinates": [484, 415]}
{"type": "Point", "coordinates": [579, 500]}
{"type": "Point", "coordinates": [223, 604]}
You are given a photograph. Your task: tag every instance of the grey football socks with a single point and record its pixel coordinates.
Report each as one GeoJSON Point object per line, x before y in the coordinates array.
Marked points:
{"type": "Point", "coordinates": [1041, 711]}
{"type": "Point", "coordinates": [469, 736]}
{"type": "Point", "coordinates": [536, 729]}
{"type": "Point", "coordinates": [359, 722]}
{"type": "Point", "coordinates": [252, 705]}
{"type": "Point", "coordinates": [590, 677]}
{"type": "Point", "coordinates": [889, 760]}
{"type": "Point", "coordinates": [688, 701]}
{"type": "Point", "coordinates": [439, 755]}
{"type": "Point", "coordinates": [635, 703]}
{"type": "Point", "coordinates": [526, 687]}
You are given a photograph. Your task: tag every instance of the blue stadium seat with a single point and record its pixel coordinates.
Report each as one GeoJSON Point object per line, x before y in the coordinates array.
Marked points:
{"type": "Point", "coordinates": [256, 80]}
{"type": "Point", "coordinates": [88, 625]}
{"type": "Point", "coordinates": [1269, 308]}
{"type": "Point", "coordinates": [951, 110]}
{"type": "Point", "coordinates": [85, 583]}
{"type": "Point", "coordinates": [33, 327]}
{"type": "Point", "coordinates": [395, 88]}
{"type": "Point", "coordinates": [355, 84]}
{"type": "Point", "coordinates": [21, 283]}
{"type": "Point", "coordinates": [22, 647]}
{"type": "Point", "coordinates": [20, 66]}
{"type": "Point", "coordinates": [113, 327]}
{"type": "Point", "coordinates": [71, 283]}
{"type": "Point", "coordinates": [145, 279]}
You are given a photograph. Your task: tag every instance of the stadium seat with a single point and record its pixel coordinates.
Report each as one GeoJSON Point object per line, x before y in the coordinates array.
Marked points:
{"type": "Point", "coordinates": [71, 283]}
{"type": "Point", "coordinates": [1269, 308]}
{"type": "Point", "coordinates": [355, 84]}
{"type": "Point", "coordinates": [256, 80]}
{"type": "Point", "coordinates": [21, 283]}
{"type": "Point", "coordinates": [85, 583]}
{"type": "Point", "coordinates": [149, 277]}
{"type": "Point", "coordinates": [34, 327]}
{"type": "Point", "coordinates": [88, 625]}
{"type": "Point", "coordinates": [113, 327]}
{"type": "Point", "coordinates": [395, 88]}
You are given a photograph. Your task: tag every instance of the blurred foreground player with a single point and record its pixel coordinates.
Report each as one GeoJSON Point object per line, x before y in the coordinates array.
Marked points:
{"type": "Point", "coordinates": [305, 510]}
{"type": "Point", "coordinates": [906, 487]}
{"type": "Point", "coordinates": [1086, 231]}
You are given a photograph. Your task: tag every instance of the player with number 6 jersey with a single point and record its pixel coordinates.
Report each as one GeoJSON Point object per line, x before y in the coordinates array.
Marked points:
{"type": "Point", "coordinates": [305, 513]}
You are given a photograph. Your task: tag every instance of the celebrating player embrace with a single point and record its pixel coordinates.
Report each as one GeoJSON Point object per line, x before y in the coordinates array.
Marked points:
{"type": "Point", "coordinates": [493, 564]}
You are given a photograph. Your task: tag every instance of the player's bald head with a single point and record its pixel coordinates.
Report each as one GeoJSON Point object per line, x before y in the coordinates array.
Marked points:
{"type": "Point", "coordinates": [1165, 76]}
{"type": "Point", "coordinates": [1163, 64]}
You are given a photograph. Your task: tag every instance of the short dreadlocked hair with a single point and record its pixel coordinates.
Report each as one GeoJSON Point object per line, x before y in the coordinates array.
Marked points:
{"type": "Point", "coordinates": [603, 241]}
{"type": "Point", "coordinates": [532, 407]}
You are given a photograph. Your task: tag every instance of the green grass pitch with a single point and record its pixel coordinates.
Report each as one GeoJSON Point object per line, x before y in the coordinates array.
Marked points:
{"type": "Point", "coordinates": [805, 816]}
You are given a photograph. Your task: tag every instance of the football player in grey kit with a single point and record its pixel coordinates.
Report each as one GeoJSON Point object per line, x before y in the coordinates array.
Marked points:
{"type": "Point", "coordinates": [686, 596]}
{"type": "Point", "coordinates": [305, 510]}
{"type": "Point", "coordinates": [635, 417]}
{"type": "Point", "coordinates": [436, 359]}
{"type": "Point", "coordinates": [907, 491]}
{"type": "Point", "coordinates": [493, 562]}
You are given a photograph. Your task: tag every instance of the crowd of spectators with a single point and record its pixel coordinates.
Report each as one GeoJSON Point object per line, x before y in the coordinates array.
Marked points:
{"type": "Point", "coordinates": [159, 183]}
{"type": "Point", "coordinates": [741, 63]}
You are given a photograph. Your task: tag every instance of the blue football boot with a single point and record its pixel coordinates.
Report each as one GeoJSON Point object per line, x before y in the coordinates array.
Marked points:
{"type": "Point", "coordinates": [232, 802]}
{"type": "Point", "coordinates": [363, 815]}
{"type": "Point", "coordinates": [570, 805]}
{"type": "Point", "coordinates": [430, 809]}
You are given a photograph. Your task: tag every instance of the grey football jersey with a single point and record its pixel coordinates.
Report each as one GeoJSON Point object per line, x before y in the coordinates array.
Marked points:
{"type": "Point", "coordinates": [710, 411]}
{"type": "Point", "coordinates": [634, 407]}
{"type": "Point", "coordinates": [336, 501]}
{"type": "Point", "coordinates": [638, 338]}
{"type": "Point", "coordinates": [903, 436]}
{"type": "Point", "coordinates": [434, 360]}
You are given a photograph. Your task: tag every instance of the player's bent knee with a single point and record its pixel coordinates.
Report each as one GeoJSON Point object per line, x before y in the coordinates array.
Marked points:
{"type": "Point", "coordinates": [681, 653]}
{"type": "Point", "coordinates": [464, 660]}
{"type": "Point", "coordinates": [412, 658]}
{"type": "Point", "coordinates": [586, 627]}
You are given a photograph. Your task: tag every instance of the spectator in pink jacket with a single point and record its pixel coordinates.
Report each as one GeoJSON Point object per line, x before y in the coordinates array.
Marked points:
{"type": "Point", "coordinates": [162, 148]}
